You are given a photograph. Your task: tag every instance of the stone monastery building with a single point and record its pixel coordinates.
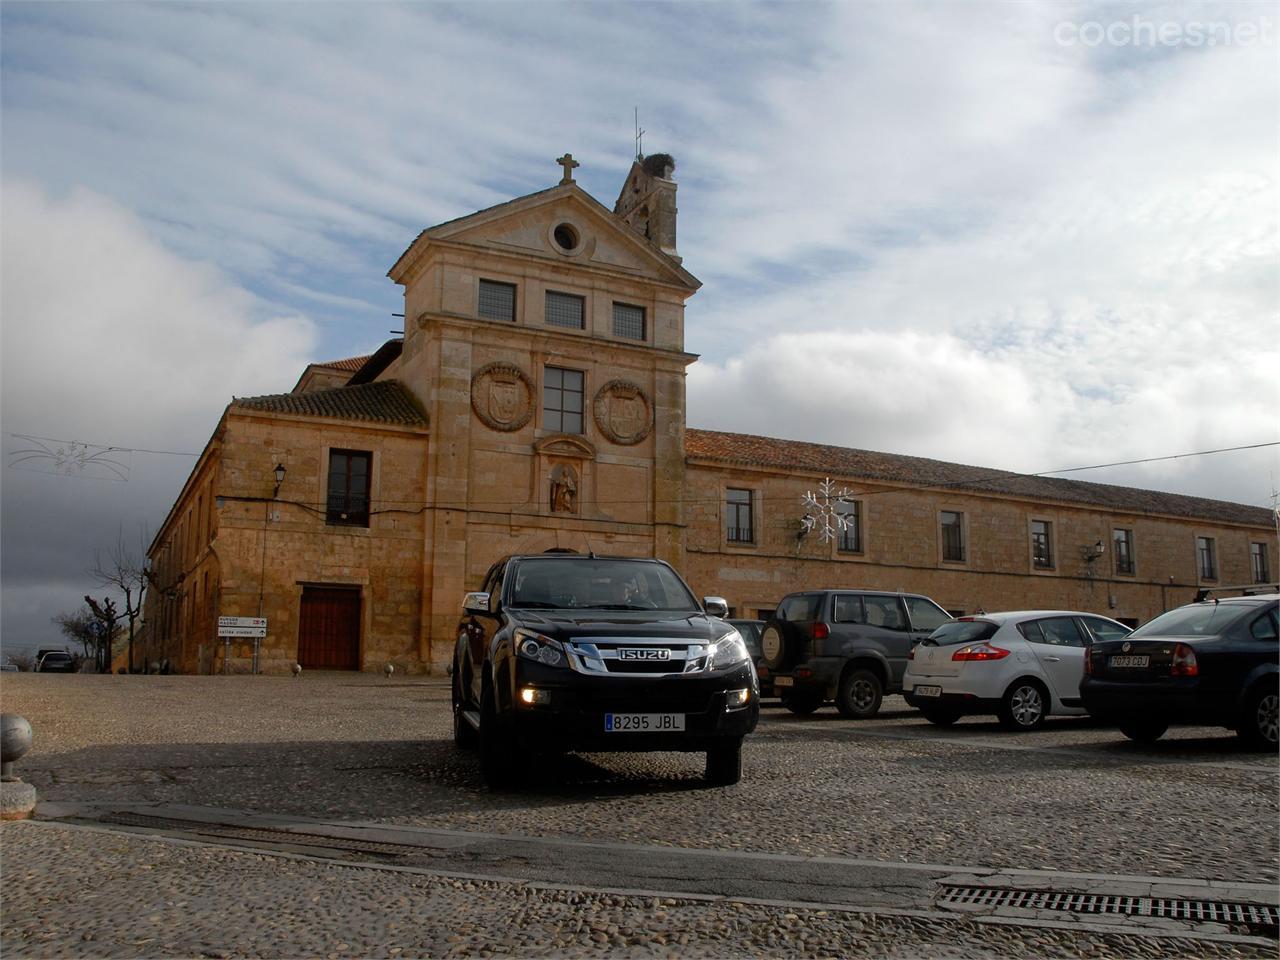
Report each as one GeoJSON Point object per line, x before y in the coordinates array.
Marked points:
{"type": "Point", "coordinates": [537, 400]}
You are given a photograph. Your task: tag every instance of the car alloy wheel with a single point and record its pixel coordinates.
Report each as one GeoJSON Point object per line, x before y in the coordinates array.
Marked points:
{"type": "Point", "coordinates": [1261, 725]}
{"type": "Point", "coordinates": [1024, 706]}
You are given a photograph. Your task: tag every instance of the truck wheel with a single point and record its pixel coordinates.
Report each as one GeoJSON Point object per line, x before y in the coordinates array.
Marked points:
{"type": "Point", "coordinates": [1144, 731]}
{"type": "Point", "coordinates": [1258, 726]}
{"type": "Point", "coordinates": [724, 764]}
{"type": "Point", "coordinates": [859, 695]}
{"type": "Point", "coordinates": [464, 735]}
{"type": "Point", "coordinates": [498, 759]}
{"type": "Point", "coordinates": [802, 702]}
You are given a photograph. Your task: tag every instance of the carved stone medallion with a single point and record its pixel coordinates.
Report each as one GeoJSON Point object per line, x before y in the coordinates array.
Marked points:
{"type": "Point", "coordinates": [623, 412]}
{"type": "Point", "coordinates": [501, 396]}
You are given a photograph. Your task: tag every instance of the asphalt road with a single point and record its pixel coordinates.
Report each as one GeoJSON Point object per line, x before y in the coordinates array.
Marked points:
{"type": "Point", "coordinates": [865, 823]}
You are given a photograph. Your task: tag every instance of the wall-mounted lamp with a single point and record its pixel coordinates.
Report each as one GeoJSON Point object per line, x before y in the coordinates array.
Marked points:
{"type": "Point", "coordinates": [1092, 553]}
{"type": "Point", "coordinates": [807, 523]}
{"type": "Point", "coordinates": [279, 479]}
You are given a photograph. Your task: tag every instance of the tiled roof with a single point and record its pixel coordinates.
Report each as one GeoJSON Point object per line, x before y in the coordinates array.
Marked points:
{"type": "Point", "coordinates": [386, 401]}
{"type": "Point", "coordinates": [350, 363]}
{"type": "Point", "coordinates": [843, 462]}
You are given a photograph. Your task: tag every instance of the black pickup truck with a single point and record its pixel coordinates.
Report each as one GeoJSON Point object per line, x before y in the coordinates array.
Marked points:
{"type": "Point", "coordinates": [565, 652]}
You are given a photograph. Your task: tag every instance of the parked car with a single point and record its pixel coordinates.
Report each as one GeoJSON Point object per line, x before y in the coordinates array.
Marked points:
{"type": "Point", "coordinates": [849, 646]}
{"type": "Point", "coordinates": [55, 661]}
{"type": "Point", "coordinates": [1213, 663]}
{"type": "Point", "coordinates": [563, 652]}
{"type": "Point", "coordinates": [1020, 665]}
{"type": "Point", "coordinates": [8, 667]}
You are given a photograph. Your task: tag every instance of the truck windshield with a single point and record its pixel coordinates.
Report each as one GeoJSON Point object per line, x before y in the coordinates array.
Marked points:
{"type": "Point", "coordinates": [600, 584]}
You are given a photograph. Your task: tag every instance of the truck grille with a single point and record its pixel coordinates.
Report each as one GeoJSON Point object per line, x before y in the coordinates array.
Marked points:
{"type": "Point", "coordinates": [636, 657]}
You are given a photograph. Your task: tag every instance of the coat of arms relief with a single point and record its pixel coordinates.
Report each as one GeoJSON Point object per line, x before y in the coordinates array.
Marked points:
{"type": "Point", "coordinates": [623, 412]}
{"type": "Point", "coordinates": [501, 396]}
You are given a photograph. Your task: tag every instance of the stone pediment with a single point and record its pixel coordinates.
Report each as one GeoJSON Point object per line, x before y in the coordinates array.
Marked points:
{"type": "Point", "coordinates": [562, 225]}
{"type": "Point", "coordinates": [566, 445]}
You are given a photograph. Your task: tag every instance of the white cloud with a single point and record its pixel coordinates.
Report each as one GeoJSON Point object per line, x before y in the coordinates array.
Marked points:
{"type": "Point", "coordinates": [110, 339]}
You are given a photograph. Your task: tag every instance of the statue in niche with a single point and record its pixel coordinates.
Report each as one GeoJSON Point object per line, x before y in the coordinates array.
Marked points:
{"type": "Point", "coordinates": [564, 490]}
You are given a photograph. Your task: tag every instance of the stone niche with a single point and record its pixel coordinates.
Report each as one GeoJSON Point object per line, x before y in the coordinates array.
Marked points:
{"type": "Point", "coordinates": [564, 478]}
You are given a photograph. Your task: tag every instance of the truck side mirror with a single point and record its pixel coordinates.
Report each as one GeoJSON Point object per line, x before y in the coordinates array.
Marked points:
{"type": "Point", "coordinates": [716, 606]}
{"type": "Point", "coordinates": [476, 603]}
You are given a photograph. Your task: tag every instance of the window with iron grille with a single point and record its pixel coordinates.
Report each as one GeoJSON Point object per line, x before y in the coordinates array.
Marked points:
{"type": "Point", "coordinates": [952, 536]}
{"type": "Point", "coordinates": [1207, 558]}
{"type": "Point", "coordinates": [348, 501]}
{"type": "Point", "coordinates": [850, 540]}
{"type": "Point", "coordinates": [739, 526]}
{"type": "Point", "coordinates": [497, 301]}
{"type": "Point", "coordinates": [1122, 541]}
{"type": "Point", "coordinates": [562, 392]}
{"type": "Point", "coordinates": [1042, 544]}
{"type": "Point", "coordinates": [564, 310]}
{"type": "Point", "coordinates": [628, 321]}
{"type": "Point", "coordinates": [1259, 562]}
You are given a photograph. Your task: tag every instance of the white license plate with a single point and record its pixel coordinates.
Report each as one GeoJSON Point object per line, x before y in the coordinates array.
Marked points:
{"type": "Point", "coordinates": [783, 682]}
{"type": "Point", "coordinates": [643, 722]}
{"type": "Point", "coordinates": [927, 691]}
{"type": "Point", "coordinates": [1130, 661]}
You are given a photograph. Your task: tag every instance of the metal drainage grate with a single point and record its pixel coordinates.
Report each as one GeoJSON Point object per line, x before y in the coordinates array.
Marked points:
{"type": "Point", "coordinates": [1255, 915]}
{"type": "Point", "coordinates": [261, 834]}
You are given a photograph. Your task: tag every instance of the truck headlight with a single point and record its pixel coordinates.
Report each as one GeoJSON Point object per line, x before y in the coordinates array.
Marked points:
{"type": "Point", "coordinates": [540, 649]}
{"type": "Point", "coordinates": [728, 651]}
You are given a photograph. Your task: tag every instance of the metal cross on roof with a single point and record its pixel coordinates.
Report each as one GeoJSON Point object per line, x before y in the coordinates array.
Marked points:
{"type": "Point", "coordinates": [568, 163]}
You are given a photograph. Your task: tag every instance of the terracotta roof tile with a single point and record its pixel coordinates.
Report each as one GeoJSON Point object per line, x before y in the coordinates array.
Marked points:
{"type": "Point", "coordinates": [844, 462]}
{"type": "Point", "coordinates": [385, 401]}
{"type": "Point", "coordinates": [350, 363]}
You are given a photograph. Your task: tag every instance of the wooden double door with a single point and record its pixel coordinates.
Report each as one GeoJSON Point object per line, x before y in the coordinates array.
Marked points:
{"type": "Point", "coordinates": [329, 628]}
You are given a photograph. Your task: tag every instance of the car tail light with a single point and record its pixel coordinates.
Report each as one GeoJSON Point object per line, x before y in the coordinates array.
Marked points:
{"type": "Point", "coordinates": [911, 654]}
{"type": "Point", "coordinates": [804, 673]}
{"type": "Point", "coordinates": [980, 651]}
{"type": "Point", "coordinates": [1184, 662]}
{"type": "Point", "coordinates": [821, 631]}
{"type": "Point", "coordinates": [1088, 660]}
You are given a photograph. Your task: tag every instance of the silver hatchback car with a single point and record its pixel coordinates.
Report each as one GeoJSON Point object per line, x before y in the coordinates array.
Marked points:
{"type": "Point", "coordinates": [1021, 666]}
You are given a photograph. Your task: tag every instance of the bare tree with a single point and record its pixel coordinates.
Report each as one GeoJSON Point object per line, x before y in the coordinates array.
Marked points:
{"type": "Point", "coordinates": [106, 617]}
{"type": "Point", "coordinates": [80, 626]}
{"type": "Point", "coordinates": [25, 662]}
{"type": "Point", "coordinates": [125, 570]}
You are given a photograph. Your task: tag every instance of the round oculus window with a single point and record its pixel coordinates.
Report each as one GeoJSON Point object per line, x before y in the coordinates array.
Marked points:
{"type": "Point", "coordinates": [566, 237]}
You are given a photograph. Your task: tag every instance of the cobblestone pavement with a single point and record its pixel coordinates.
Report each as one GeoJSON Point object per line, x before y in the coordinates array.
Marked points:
{"type": "Point", "coordinates": [1073, 797]}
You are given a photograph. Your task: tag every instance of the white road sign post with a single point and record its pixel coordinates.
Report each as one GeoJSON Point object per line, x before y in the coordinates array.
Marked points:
{"type": "Point", "coordinates": [229, 628]}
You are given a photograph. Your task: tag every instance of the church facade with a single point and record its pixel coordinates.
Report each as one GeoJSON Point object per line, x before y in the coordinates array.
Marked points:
{"type": "Point", "coordinates": [537, 400]}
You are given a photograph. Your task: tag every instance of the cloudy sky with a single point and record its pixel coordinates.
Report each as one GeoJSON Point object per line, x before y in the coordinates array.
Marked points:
{"type": "Point", "coordinates": [1021, 235]}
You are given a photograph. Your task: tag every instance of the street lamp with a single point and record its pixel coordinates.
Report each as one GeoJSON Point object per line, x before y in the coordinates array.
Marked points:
{"type": "Point", "coordinates": [279, 479]}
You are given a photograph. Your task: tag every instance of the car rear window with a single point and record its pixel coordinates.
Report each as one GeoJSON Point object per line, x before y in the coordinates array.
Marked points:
{"type": "Point", "coordinates": [800, 608]}
{"type": "Point", "coordinates": [1196, 620]}
{"type": "Point", "coordinates": [963, 631]}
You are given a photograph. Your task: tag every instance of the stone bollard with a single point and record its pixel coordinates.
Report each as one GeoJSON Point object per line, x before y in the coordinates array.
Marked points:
{"type": "Point", "coordinates": [17, 799]}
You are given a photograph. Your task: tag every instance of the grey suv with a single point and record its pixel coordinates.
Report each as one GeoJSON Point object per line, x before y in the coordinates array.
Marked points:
{"type": "Point", "coordinates": [849, 646]}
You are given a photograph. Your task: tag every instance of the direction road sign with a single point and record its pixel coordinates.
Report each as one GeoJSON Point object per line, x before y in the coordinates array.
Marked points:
{"type": "Point", "coordinates": [242, 631]}
{"type": "Point", "coordinates": [242, 622]}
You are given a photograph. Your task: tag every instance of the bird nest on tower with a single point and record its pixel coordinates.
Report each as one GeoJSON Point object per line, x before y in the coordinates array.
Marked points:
{"type": "Point", "coordinates": [659, 164]}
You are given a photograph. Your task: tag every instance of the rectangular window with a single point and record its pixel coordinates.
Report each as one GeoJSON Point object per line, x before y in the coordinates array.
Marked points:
{"type": "Point", "coordinates": [628, 321]}
{"type": "Point", "coordinates": [564, 310]}
{"type": "Point", "coordinates": [497, 301]}
{"type": "Point", "coordinates": [348, 501]}
{"type": "Point", "coordinates": [739, 526]}
{"type": "Point", "coordinates": [1259, 562]}
{"type": "Point", "coordinates": [1206, 558]}
{"type": "Point", "coordinates": [1122, 541]}
{"type": "Point", "coordinates": [562, 392]}
{"type": "Point", "coordinates": [952, 536]}
{"type": "Point", "coordinates": [1042, 544]}
{"type": "Point", "coordinates": [850, 540]}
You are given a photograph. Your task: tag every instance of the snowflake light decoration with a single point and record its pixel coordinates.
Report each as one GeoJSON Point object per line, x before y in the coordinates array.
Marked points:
{"type": "Point", "coordinates": [823, 510]}
{"type": "Point", "coordinates": [71, 458]}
